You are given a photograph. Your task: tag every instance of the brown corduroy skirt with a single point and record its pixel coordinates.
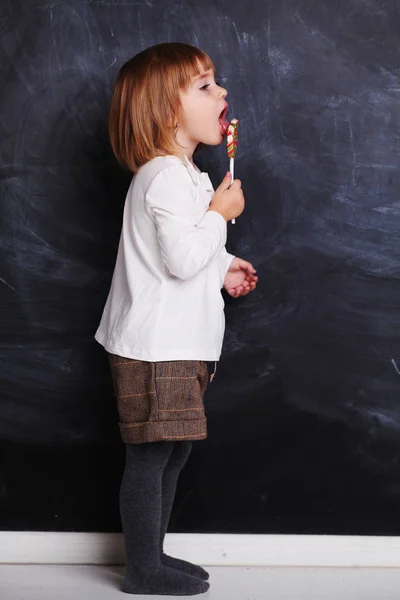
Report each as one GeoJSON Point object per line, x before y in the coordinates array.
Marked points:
{"type": "Point", "coordinates": [160, 401]}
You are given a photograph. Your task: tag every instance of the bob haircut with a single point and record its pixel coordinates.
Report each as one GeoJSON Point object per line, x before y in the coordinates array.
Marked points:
{"type": "Point", "coordinates": [146, 101]}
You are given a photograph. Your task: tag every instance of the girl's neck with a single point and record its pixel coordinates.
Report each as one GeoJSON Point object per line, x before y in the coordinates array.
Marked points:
{"type": "Point", "coordinates": [181, 154]}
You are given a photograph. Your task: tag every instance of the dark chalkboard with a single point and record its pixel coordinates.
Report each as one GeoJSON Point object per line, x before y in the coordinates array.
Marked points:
{"type": "Point", "coordinates": [303, 415]}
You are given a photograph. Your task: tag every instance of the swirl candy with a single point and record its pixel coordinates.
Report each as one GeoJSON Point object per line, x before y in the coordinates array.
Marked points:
{"type": "Point", "coordinates": [232, 138]}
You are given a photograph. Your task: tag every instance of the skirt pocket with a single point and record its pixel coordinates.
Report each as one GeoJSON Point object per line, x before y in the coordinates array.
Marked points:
{"type": "Point", "coordinates": [180, 387]}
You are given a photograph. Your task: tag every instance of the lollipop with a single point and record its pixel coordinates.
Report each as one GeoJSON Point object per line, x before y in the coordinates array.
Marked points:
{"type": "Point", "coordinates": [231, 146]}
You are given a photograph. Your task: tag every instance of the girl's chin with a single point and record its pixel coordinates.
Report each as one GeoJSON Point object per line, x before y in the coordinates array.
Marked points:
{"type": "Point", "coordinates": [214, 140]}
{"type": "Point", "coordinates": [213, 143]}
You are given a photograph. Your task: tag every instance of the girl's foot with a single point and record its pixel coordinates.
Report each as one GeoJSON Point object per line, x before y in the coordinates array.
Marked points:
{"type": "Point", "coordinates": [185, 566]}
{"type": "Point", "coordinates": [163, 581]}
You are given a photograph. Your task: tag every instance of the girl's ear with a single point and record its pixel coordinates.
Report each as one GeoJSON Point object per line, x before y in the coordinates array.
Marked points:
{"type": "Point", "coordinates": [173, 124]}
{"type": "Point", "coordinates": [175, 120]}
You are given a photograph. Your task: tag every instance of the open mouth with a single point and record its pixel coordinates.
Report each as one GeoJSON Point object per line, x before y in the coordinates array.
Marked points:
{"type": "Point", "coordinates": [223, 123]}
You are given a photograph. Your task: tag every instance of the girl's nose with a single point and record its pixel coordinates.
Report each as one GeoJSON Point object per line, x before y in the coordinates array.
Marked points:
{"type": "Point", "coordinates": [223, 92]}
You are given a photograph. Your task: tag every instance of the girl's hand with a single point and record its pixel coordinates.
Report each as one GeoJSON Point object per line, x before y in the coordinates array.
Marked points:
{"type": "Point", "coordinates": [240, 278]}
{"type": "Point", "coordinates": [228, 199]}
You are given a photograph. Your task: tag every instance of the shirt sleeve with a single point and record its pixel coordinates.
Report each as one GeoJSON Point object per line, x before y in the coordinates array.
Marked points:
{"type": "Point", "coordinates": [187, 246]}
{"type": "Point", "coordinates": [224, 260]}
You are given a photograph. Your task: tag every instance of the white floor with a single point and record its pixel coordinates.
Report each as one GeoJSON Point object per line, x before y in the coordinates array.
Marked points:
{"type": "Point", "coordinates": [67, 582]}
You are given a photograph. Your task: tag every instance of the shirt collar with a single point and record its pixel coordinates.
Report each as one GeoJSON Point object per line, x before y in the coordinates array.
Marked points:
{"type": "Point", "coordinates": [198, 178]}
{"type": "Point", "coordinates": [194, 174]}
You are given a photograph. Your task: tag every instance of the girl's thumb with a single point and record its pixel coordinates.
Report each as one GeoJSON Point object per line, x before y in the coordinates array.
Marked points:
{"type": "Point", "coordinates": [226, 182]}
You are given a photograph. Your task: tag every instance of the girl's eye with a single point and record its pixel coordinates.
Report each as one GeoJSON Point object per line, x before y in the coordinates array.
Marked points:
{"type": "Point", "coordinates": [204, 87]}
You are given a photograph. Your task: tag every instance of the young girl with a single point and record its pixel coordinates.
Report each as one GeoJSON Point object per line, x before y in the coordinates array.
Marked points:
{"type": "Point", "coordinates": [163, 322]}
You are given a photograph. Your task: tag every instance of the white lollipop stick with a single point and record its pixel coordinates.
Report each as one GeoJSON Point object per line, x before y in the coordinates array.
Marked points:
{"type": "Point", "coordinates": [232, 170]}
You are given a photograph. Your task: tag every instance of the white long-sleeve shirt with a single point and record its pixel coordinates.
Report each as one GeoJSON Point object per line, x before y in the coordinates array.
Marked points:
{"type": "Point", "coordinates": [165, 300]}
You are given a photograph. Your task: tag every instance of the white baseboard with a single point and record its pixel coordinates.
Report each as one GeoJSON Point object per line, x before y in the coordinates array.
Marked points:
{"type": "Point", "coordinates": [205, 549]}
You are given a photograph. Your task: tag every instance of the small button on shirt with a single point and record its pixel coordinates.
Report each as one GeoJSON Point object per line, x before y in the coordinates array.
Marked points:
{"type": "Point", "coordinates": [165, 300]}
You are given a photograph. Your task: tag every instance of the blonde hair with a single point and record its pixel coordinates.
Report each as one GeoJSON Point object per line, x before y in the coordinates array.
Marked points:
{"type": "Point", "coordinates": [146, 100]}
